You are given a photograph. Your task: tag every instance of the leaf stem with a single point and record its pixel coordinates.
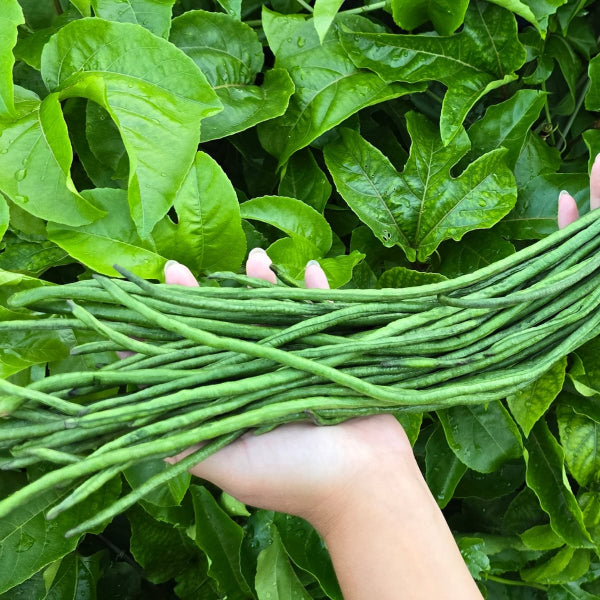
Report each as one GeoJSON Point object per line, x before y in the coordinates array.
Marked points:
{"type": "Point", "coordinates": [305, 5]}
{"type": "Point", "coordinates": [58, 7]}
{"type": "Point", "coordinates": [563, 140]}
{"type": "Point", "coordinates": [505, 581]}
{"type": "Point", "coordinates": [548, 116]}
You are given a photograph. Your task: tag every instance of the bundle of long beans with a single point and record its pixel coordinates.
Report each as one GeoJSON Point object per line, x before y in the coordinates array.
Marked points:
{"type": "Point", "coordinates": [212, 362]}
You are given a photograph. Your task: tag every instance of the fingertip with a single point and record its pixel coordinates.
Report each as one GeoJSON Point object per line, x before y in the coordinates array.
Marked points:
{"type": "Point", "coordinates": [258, 265]}
{"type": "Point", "coordinates": [567, 209]}
{"type": "Point", "coordinates": [595, 184]}
{"type": "Point", "coordinates": [178, 274]}
{"type": "Point", "coordinates": [314, 276]}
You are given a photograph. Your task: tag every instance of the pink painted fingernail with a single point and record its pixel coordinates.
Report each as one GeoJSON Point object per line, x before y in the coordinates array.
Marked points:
{"type": "Point", "coordinates": [170, 263]}
{"type": "Point", "coordinates": [313, 263]}
{"type": "Point", "coordinates": [256, 251]}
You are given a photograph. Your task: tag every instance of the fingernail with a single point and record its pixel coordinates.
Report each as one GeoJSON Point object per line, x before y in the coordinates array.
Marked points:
{"type": "Point", "coordinates": [597, 157]}
{"type": "Point", "coordinates": [170, 263]}
{"type": "Point", "coordinates": [564, 193]}
{"type": "Point", "coordinates": [312, 263]}
{"type": "Point", "coordinates": [257, 251]}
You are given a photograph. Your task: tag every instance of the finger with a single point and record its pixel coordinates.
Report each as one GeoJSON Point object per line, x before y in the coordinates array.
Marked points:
{"type": "Point", "coordinates": [258, 265]}
{"type": "Point", "coordinates": [124, 353]}
{"type": "Point", "coordinates": [176, 273]}
{"type": "Point", "coordinates": [567, 209]}
{"type": "Point", "coordinates": [595, 184]}
{"type": "Point", "coordinates": [314, 276]}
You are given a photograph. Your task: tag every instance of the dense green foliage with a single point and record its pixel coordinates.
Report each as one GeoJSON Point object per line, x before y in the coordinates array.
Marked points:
{"type": "Point", "coordinates": [397, 143]}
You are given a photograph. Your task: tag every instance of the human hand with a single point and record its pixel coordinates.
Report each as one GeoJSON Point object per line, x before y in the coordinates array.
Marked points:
{"type": "Point", "coordinates": [567, 207]}
{"type": "Point", "coordinates": [298, 468]}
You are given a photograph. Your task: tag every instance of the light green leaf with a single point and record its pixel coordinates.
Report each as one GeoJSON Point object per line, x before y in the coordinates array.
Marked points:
{"type": "Point", "coordinates": [568, 564]}
{"type": "Point", "coordinates": [112, 239]}
{"type": "Point", "coordinates": [153, 92]}
{"type": "Point", "coordinates": [482, 57]}
{"type": "Point", "coordinates": [541, 537]}
{"type": "Point", "coordinates": [28, 542]}
{"type": "Point", "coordinates": [35, 168]}
{"type": "Point", "coordinates": [446, 15]}
{"type": "Point", "coordinates": [588, 354]}
{"type": "Point", "coordinates": [209, 220]}
{"type": "Point", "coordinates": [4, 216]}
{"type": "Point", "coordinates": [424, 205]}
{"type": "Point", "coordinates": [580, 439]}
{"type": "Point", "coordinates": [302, 178]}
{"type": "Point", "coordinates": [507, 124]}
{"type": "Point", "coordinates": [476, 250]}
{"type": "Point", "coordinates": [154, 15]}
{"type": "Point", "coordinates": [291, 216]}
{"type": "Point", "coordinates": [530, 403]}
{"type": "Point", "coordinates": [220, 538]}
{"type": "Point", "coordinates": [483, 437]}
{"type": "Point", "coordinates": [592, 99]}
{"type": "Point", "coordinates": [163, 550]}
{"type": "Point", "coordinates": [443, 470]}
{"type": "Point", "coordinates": [399, 277]}
{"type": "Point", "coordinates": [329, 88]}
{"type": "Point", "coordinates": [10, 17]}
{"type": "Point", "coordinates": [546, 476]}
{"type": "Point", "coordinates": [537, 12]}
{"type": "Point", "coordinates": [323, 15]}
{"type": "Point", "coordinates": [275, 577]}
{"type": "Point", "coordinates": [535, 213]}
{"type": "Point", "coordinates": [230, 55]}
{"type": "Point", "coordinates": [83, 6]}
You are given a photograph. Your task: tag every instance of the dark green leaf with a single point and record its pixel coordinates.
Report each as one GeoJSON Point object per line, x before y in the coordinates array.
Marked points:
{"type": "Point", "coordinates": [482, 57]}
{"type": "Point", "coordinates": [158, 110]}
{"type": "Point", "coordinates": [399, 277]}
{"type": "Point", "coordinates": [30, 258]}
{"type": "Point", "coordinates": [592, 99]}
{"type": "Point", "coordinates": [154, 15]}
{"type": "Point", "coordinates": [483, 437]}
{"type": "Point", "coordinates": [443, 469]}
{"type": "Point", "coordinates": [446, 15]}
{"type": "Point", "coordinates": [77, 577]}
{"type": "Point", "coordinates": [530, 403]}
{"type": "Point", "coordinates": [473, 553]}
{"type": "Point", "coordinates": [491, 485]}
{"type": "Point", "coordinates": [170, 494]}
{"type": "Point", "coordinates": [423, 206]}
{"type": "Point", "coordinates": [546, 476]}
{"type": "Point", "coordinates": [536, 158]}
{"type": "Point", "coordinates": [220, 538]}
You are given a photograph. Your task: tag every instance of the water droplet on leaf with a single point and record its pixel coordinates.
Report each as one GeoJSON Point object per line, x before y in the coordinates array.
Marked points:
{"type": "Point", "coordinates": [482, 203]}
{"type": "Point", "coordinates": [300, 42]}
{"type": "Point", "coordinates": [20, 174]}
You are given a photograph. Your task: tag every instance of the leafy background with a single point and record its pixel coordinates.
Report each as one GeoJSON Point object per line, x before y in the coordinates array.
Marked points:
{"type": "Point", "coordinates": [397, 143]}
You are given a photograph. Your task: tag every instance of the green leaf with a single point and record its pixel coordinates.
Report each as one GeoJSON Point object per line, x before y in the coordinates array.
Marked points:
{"type": "Point", "coordinates": [475, 250]}
{"type": "Point", "coordinates": [323, 15]}
{"type": "Point", "coordinates": [399, 277]}
{"type": "Point", "coordinates": [230, 55]}
{"type": "Point", "coordinates": [568, 564]}
{"type": "Point", "coordinates": [536, 158]}
{"type": "Point", "coordinates": [529, 404]}
{"type": "Point", "coordinates": [541, 9]}
{"type": "Point", "coordinates": [482, 437]}
{"type": "Point", "coordinates": [307, 550]}
{"type": "Point", "coordinates": [491, 485]}
{"type": "Point", "coordinates": [31, 258]}
{"type": "Point", "coordinates": [541, 537]}
{"type": "Point", "coordinates": [170, 494]}
{"type": "Point", "coordinates": [4, 216]}
{"type": "Point", "coordinates": [324, 97]}
{"type": "Point", "coordinates": [77, 577]}
{"type": "Point", "coordinates": [519, 8]}
{"type": "Point", "coordinates": [275, 577]}
{"type": "Point", "coordinates": [83, 6]}
{"type": "Point", "coordinates": [580, 439]}
{"type": "Point", "coordinates": [302, 178]}
{"type": "Point", "coordinates": [473, 553]}
{"type": "Point", "coordinates": [482, 57]}
{"type": "Point", "coordinates": [208, 215]}
{"type": "Point", "coordinates": [424, 205]}
{"type": "Point", "coordinates": [110, 240]}
{"type": "Point", "coordinates": [10, 19]}
{"type": "Point", "coordinates": [534, 216]}
{"type": "Point", "coordinates": [220, 538]}
{"type": "Point", "coordinates": [154, 15]}
{"type": "Point", "coordinates": [443, 469]}
{"type": "Point", "coordinates": [546, 476]}
{"type": "Point", "coordinates": [37, 157]}
{"type": "Point", "coordinates": [446, 15]}
{"type": "Point", "coordinates": [28, 542]}
{"type": "Point", "coordinates": [592, 98]}
{"type": "Point", "coordinates": [158, 108]}
{"type": "Point", "coordinates": [588, 354]}
{"type": "Point", "coordinates": [291, 216]}
{"type": "Point", "coordinates": [164, 551]}
{"type": "Point", "coordinates": [507, 124]}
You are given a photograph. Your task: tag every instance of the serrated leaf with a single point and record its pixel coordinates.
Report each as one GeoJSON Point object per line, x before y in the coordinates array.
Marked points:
{"type": "Point", "coordinates": [324, 97]}
{"type": "Point", "coordinates": [541, 537]}
{"type": "Point", "coordinates": [423, 205]}
{"type": "Point", "coordinates": [208, 220]}
{"type": "Point", "coordinates": [580, 439]}
{"type": "Point", "coordinates": [10, 18]}
{"type": "Point", "coordinates": [230, 55]}
{"type": "Point", "coordinates": [473, 552]}
{"type": "Point", "coordinates": [568, 564]}
{"type": "Point", "coordinates": [275, 577]}
{"type": "Point", "coordinates": [154, 15]}
{"type": "Point", "coordinates": [443, 470]}
{"type": "Point", "coordinates": [220, 538]}
{"type": "Point", "coordinates": [483, 437]}
{"type": "Point", "coordinates": [446, 15]}
{"type": "Point", "coordinates": [530, 403]}
{"type": "Point", "coordinates": [482, 57]}
{"type": "Point", "coordinates": [546, 476]}
{"type": "Point", "coordinates": [158, 109]}
{"type": "Point", "coordinates": [112, 239]}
